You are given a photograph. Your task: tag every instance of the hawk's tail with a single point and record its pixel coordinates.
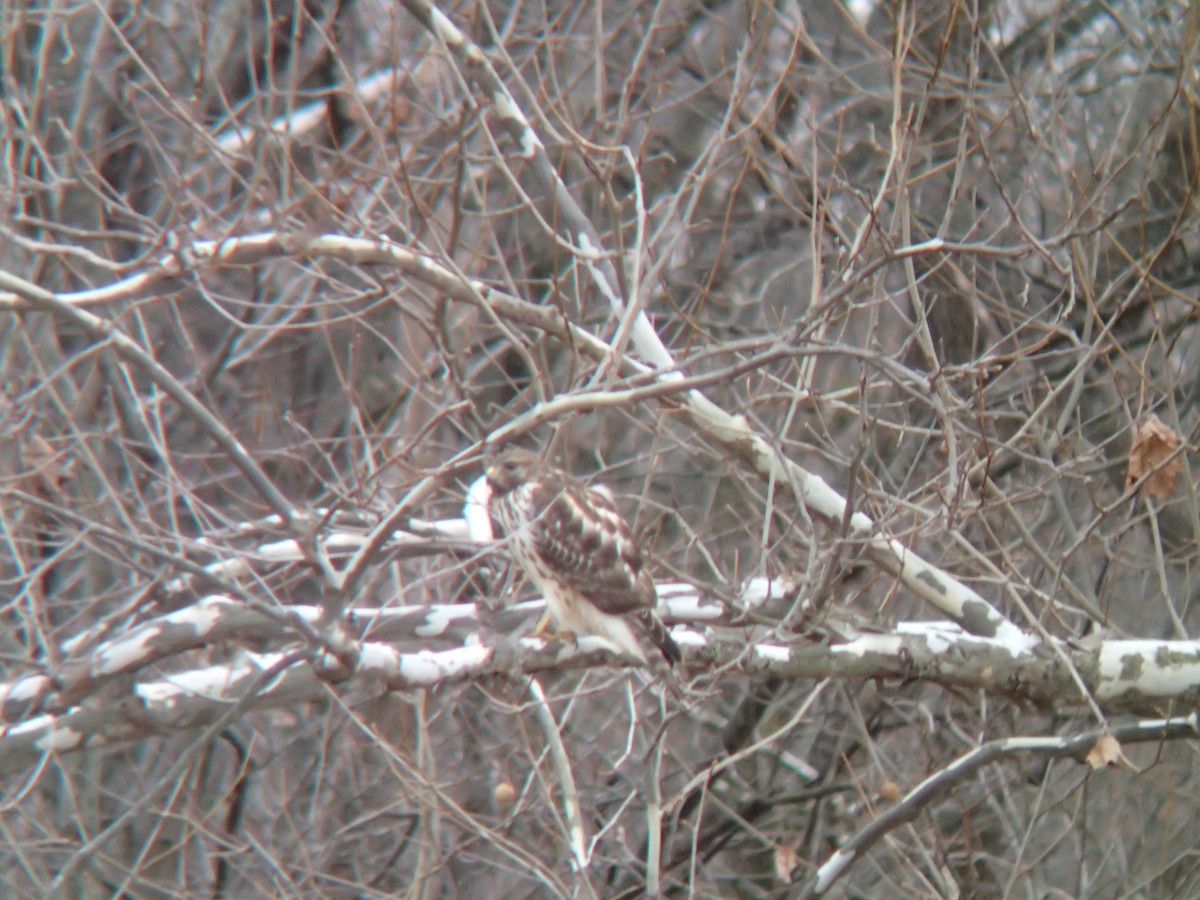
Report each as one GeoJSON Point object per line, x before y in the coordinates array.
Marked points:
{"type": "Point", "coordinates": [653, 631]}
{"type": "Point", "coordinates": [657, 632]}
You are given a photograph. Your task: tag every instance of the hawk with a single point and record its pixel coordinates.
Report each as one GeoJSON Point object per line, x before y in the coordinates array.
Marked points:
{"type": "Point", "coordinates": [573, 544]}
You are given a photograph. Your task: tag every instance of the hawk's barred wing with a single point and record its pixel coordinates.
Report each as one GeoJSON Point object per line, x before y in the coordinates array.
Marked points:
{"type": "Point", "coordinates": [573, 543]}
{"type": "Point", "coordinates": [581, 537]}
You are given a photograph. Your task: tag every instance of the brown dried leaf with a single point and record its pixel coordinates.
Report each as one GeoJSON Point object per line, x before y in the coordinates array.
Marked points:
{"type": "Point", "coordinates": [1105, 752]}
{"type": "Point", "coordinates": [785, 862]}
{"type": "Point", "coordinates": [1151, 455]}
{"type": "Point", "coordinates": [47, 471]}
{"type": "Point", "coordinates": [890, 791]}
{"type": "Point", "coordinates": [504, 793]}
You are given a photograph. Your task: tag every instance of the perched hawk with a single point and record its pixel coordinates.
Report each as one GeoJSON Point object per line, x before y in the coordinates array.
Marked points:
{"type": "Point", "coordinates": [574, 545]}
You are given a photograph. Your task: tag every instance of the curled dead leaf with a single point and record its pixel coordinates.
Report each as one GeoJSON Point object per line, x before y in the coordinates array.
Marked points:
{"type": "Point", "coordinates": [1105, 752]}
{"type": "Point", "coordinates": [46, 472]}
{"type": "Point", "coordinates": [786, 861]}
{"type": "Point", "coordinates": [504, 793]}
{"type": "Point", "coordinates": [1153, 456]}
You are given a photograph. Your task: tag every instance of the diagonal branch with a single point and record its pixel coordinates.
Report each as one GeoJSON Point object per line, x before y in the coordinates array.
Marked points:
{"type": "Point", "coordinates": [943, 781]}
{"type": "Point", "coordinates": [733, 432]}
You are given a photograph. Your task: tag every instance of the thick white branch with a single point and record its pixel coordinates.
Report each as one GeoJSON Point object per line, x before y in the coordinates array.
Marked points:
{"type": "Point", "coordinates": [46, 715]}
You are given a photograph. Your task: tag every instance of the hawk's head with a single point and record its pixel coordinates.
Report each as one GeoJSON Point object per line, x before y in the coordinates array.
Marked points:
{"type": "Point", "coordinates": [510, 469]}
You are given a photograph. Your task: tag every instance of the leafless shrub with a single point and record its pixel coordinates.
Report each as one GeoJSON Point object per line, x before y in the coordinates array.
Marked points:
{"type": "Point", "coordinates": [858, 308]}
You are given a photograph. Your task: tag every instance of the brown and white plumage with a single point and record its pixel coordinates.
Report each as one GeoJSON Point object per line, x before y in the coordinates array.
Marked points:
{"type": "Point", "coordinates": [574, 545]}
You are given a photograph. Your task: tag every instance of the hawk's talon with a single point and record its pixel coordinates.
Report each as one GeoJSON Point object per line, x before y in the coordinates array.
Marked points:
{"type": "Point", "coordinates": [566, 637]}
{"type": "Point", "coordinates": [546, 633]}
